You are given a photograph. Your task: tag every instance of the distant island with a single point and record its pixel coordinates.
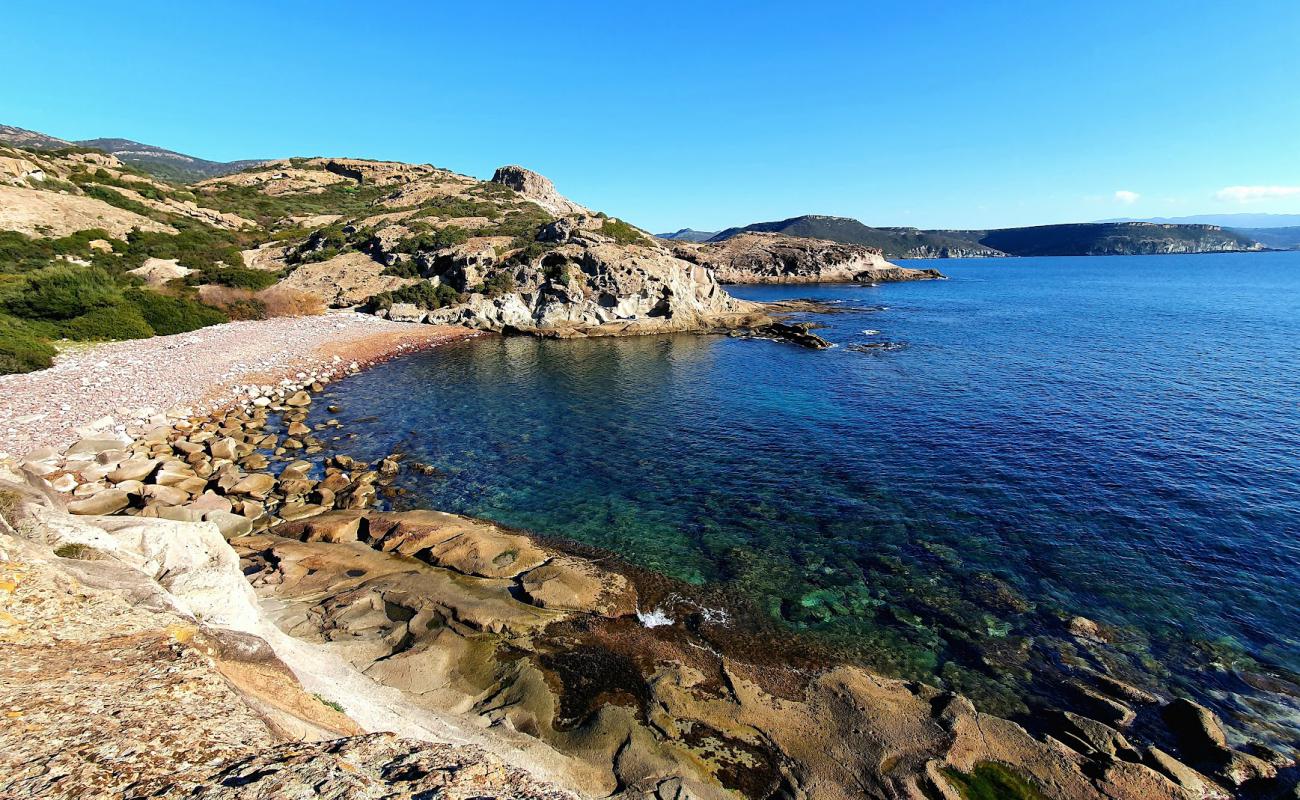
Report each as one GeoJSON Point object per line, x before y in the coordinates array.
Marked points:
{"type": "Point", "coordinates": [1074, 239]}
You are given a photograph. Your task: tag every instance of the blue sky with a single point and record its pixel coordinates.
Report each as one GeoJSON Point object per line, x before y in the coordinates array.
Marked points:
{"type": "Point", "coordinates": [711, 114]}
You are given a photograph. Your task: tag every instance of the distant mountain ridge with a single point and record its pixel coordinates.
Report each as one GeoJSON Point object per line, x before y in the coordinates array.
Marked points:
{"type": "Point", "coordinates": [1074, 239]}
{"type": "Point", "coordinates": [895, 242]}
{"type": "Point", "coordinates": [157, 161]}
{"type": "Point", "coordinates": [1237, 221]}
{"type": "Point", "coordinates": [687, 235]}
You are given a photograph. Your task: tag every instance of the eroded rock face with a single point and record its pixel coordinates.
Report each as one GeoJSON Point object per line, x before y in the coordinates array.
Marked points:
{"type": "Point", "coordinates": [421, 603]}
{"type": "Point", "coordinates": [376, 765]}
{"type": "Point", "coordinates": [537, 188]}
{"type": "Point", "coordinates": [591, 286]}
{"type": "Point", "coordinates": [773, 258]}
{"type": "Point", "coordinates": [118, 678]}
{"type": "Point", "coordinates": [344, 280]}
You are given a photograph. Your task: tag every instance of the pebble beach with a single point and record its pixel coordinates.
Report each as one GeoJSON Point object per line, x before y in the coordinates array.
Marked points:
{"type": "Point", "coordinates": [131, 385]}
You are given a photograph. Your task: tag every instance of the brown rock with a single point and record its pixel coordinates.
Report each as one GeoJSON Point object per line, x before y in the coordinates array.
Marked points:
{"type": "Point", "coordinates": [226, 448]}
{"type": "Point", "coordinates": [167, 495]}
{"type": "Point", "coordinates": [572, 584]}
{"type": "Point", "coordinates": [136, 469]}
{"type": "Point", "coordinates": [258, 485]}
{"type": "Point", "coordinates": [109, 501]}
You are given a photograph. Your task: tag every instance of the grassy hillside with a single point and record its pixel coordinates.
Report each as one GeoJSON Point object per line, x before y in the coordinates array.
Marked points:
{"type": "Point", "coordinates": [291, 215]}
{"type": "Point", "coordinates": [166, 164]}
{"type": "Point", "coordinates": [159, 162]}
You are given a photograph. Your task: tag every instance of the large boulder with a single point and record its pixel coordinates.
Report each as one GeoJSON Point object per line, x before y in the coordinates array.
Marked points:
{"type": "Point", "coordinates": [592, 286]}
{"type": "Point", "coordinates": [536, 188]}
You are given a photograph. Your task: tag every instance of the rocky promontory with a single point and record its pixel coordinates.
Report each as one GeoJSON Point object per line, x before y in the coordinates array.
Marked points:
{"type": "Point", "coordinates": [775, 258]}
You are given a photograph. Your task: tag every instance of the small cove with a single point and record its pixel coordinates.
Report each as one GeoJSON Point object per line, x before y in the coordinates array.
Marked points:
{"type": "Point", "coordinates": [1115, 438]}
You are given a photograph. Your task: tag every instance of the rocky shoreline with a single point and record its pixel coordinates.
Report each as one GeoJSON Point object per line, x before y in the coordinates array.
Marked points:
{"type": "Point", "coordinates": [593, 674]}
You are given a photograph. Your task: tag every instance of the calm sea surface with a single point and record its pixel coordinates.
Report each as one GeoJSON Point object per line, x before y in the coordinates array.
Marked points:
{"type": "Point", "coordinates": [1117, 438]}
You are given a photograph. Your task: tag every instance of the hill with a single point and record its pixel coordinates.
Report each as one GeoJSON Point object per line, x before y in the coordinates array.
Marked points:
{"type": "Point", "coordinates": [1239, 221]}
{"type": "Point", "coordinates": [156, 161]}
{"type": "Point", "coordinates": [167, 164]}
{"type": "Point", "coordinates": [893, 242]}
{"type": "Point", "coordinates": [1076, 239]}
{"type": "Point", "coordinates": [1112, 239]}
{"type": "Point", "coordinates": [687, 235]}
{"type": "Point", "coordinates": [1277, 238]}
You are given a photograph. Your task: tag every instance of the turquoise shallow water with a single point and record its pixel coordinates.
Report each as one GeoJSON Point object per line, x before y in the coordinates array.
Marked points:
{"type": "Point", "coordinates": [1117, 438]}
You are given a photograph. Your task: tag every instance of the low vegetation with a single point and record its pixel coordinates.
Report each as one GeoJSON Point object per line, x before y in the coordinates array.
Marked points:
{"type": "Point", "coordinates": [621, 232]}
{"type": "Point", "coordinates": [23, 346]}
{"type": "Point", "coordinates": [277, 301]}
{"type": "Point", "coordinates": [422, 295]}
{"type": "Point", "coordinates": [993, 781]}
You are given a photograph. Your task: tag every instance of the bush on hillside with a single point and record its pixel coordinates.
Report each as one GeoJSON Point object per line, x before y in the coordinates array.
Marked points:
{"type": "Point", "coordinates": [167, 315]}
{"type": "Point", "coordinates": [427, 242]}
{"type": "Point", "coordinates": [239, 277]}
{"type": "Point", "coordinates": [499, 283]}
{"type": "Point", "coordinates": [108, 323]}
{"type": "Point", "coordinates": [237, 304]}
{"type": "Point", "coordinates": [195, 246]}
{"type": "Point", "coordinates": [22, 347]}
{"type": "Point", "coordinates": [422, 295]}
{"type": "Point", "coordinates": [621, 232]}
{"type": "Point", "coordinates": [63, 292]}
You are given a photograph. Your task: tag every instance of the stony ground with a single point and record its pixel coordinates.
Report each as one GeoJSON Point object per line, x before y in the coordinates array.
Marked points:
{"type": "Point", "coordinates": [134, 380]}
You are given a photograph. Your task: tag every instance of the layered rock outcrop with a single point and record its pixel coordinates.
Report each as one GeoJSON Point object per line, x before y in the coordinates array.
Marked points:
{"type": "Point", "coordinates": [132, 664]}
{"type": "Point", "coordinates": [774, 258]}
{"type": "Point", "coordinates": [538, 189]}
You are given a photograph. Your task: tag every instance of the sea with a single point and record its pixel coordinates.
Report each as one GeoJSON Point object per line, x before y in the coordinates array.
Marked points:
{"type": "Point", "coordinates": [1037, 469]}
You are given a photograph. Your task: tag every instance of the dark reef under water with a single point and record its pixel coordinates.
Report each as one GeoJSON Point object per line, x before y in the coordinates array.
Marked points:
{"type": "Point", "coordinates": [1116, 439]}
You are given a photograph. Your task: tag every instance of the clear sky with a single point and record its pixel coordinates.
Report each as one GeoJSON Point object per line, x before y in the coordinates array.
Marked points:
{"type": "Point", "coordinates": [669, 114]}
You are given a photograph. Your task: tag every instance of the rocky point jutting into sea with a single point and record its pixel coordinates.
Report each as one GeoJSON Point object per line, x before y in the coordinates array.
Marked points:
{"type": "Point", "coordinates": [202, 596]}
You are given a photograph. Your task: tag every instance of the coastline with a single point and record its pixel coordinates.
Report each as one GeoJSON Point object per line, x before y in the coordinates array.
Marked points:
{"type": "Point", "coordinates": [583, 669]}
{"type": "Point", "coordinates": [130, 386]}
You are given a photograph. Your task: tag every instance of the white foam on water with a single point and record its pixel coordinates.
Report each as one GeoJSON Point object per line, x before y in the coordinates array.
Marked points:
{"type": "Point", "coordinates": [654, 618]}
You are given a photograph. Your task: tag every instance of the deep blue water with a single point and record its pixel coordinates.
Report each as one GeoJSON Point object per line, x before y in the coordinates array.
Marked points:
{"type": "Point", "coordinates": [1117, 438]}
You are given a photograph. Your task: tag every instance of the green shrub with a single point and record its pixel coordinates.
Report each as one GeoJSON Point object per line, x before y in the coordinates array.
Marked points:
{"type": "Point", "coordinates": [23, 348]}
{"type": "Point", "coordinates": [557, 273]}
{"type": "Point", "coordinates": [621, 232]}
{"type": "Point", "coordinates": [108, 323]}
{"type": "Point", "coordinates": [410, 268]}
{"type": "Point", "coordinates": [240, 277]}
{"type": "Point", "coordinates": [992, 781]}
{"type": "Point", "coordinates": [20, 253]}
{"type": "Point", "coordinates": [114, 198]}
{"type": "Point", "coordinates": [167, 315]}
{"type": "Point", "coordinates": [530, 251]}
{"type": "Point", "coordinates": [195, 246]}
{"type": "Point", "coordinates": [63, 292]}
{"type": "Point", "coordinates": [437, 239]}
{"type": "Point", "coordinates": [499, 283]}
{"type": "Point", "coordinates": [423, 295]}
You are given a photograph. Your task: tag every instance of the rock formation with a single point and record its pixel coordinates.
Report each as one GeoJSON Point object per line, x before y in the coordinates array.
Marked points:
{"type": "Point", "coordinates": [490, 643]}
{"type": "Point", "coordinates": [538, 189]}
{"type": "Point", "coordinates": [131, 665]}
